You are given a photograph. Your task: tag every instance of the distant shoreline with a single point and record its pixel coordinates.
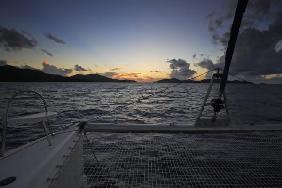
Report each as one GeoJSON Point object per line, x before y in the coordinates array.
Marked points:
{"type": "Point", "coordinates": [174, 80]}
{"type": "Point", "coordinates": [10, 73]}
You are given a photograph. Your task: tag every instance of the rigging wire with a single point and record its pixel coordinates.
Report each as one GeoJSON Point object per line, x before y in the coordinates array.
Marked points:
{"type": "Point", "coordinates": [193, 78]}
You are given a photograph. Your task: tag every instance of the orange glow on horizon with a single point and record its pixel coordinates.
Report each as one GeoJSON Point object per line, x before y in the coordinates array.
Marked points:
{"type": "Point", "coordinates": [140, 77]}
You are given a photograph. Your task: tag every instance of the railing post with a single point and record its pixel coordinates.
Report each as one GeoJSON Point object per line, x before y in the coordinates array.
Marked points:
{"type": "Point", "coordinates": [3, 143]}
{"type": "Point", "coordinates": [46, 133]}
{"type": "Point", "coordinates": [205, 100]}
{"type": "Point", "coordinates": [5, 120]}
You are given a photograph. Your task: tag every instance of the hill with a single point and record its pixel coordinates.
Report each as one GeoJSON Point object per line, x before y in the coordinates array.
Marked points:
{"type": "Point", "coordinates": [10, 73]}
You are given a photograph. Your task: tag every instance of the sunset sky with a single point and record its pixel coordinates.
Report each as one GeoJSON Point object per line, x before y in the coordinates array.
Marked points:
{"type": "Point", "coordinates": [144, 40]}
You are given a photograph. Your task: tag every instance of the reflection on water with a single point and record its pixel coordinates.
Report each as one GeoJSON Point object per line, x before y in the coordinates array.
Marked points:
{"type": "Point", "coordinates": [137, 103]}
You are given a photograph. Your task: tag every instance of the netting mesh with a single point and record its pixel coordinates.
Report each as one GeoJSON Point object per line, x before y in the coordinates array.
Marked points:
{"type": "Point", "coordinates": [183, 160]}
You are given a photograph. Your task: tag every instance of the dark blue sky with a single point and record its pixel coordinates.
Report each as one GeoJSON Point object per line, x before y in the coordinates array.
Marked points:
{"type": "Point", "coordinates": [134, 35]}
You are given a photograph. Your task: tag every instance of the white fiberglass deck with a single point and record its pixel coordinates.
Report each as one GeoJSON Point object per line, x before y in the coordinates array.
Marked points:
{"type": "Point", "coordinates": [251, 159]}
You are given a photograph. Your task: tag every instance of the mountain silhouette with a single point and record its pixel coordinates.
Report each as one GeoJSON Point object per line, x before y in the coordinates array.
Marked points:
{"type": "Point", "coordinates": [10, 73]}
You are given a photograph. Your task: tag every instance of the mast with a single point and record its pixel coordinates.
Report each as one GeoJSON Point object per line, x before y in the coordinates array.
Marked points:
{"type": "Point", "coordinates": [241, 7]}
{"type": "Point", "coordinates": [217, 103]}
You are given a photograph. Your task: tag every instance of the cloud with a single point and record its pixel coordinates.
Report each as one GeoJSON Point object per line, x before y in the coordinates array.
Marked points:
{"type": "Point", "coordinates": [255, 52]}
{"type": "Point", "coordinates": [115, 69]}
{"type": "Point", "coordinates": [221, 38]}
{"type": "Point", "coordinates": [11, 39]}
{"type": "Point", "coordinates": [258, 51]}
{"type": "Point", "coordinates": [214, 21]}
{"type": "Point", "coordinates": [257, 11]}
{"type": "Point", "coordinates": [79, 68]}
{"type": "Point", "coordinates": [275, 79]}
{"type": "Point", "coordinates": [209, 65]}
{"type": "Point", "coordinates": [131, 75]}
{"type": "Point", "coordinates": [55, 39]}
{"type": "Point", "coordinates": [206, 64]}
{"type": "Point", "coordinates": [134, 76]}
{"type": "Point", "coordinates": [116, 75]}
{"type": "Point", "coordinates": [3, 62]}
{"type": "Point", "coordinates": [52, 69]}
{"type": "Point", "coordinates": [194, 56]}
{"type": "Point", "coordinates": [156, 71]}
{"type": "Point", "coordinates": [180, 69]}
{"type": "Point", "coordinates": [46, 52]}
{"type": "Point", "coordinates": [215, 24]}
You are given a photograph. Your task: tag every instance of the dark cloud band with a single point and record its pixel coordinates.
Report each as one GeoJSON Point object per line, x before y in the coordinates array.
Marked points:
{"type": "Point", "coordinates": [11, 39]}
{"type": "Point", "coordinates": [47, 52]}
{"type": "Point", "coordinates": [55, 39]}
{"type": "Point", "coordinates": [180, 69]}
{"type": "Point", "coordinates": [79, 68]}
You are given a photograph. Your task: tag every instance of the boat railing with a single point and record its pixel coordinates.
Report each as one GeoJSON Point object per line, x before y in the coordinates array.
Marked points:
{"type": "Point", "coordinates": [41, 117]}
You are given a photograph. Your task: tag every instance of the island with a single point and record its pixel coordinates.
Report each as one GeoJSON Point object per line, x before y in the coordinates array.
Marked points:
{"type": "Point", "coordinates": [10, 73]}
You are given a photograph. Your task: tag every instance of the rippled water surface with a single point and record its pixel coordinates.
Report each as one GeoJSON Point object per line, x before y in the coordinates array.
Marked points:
{"type": "Point", "coordinates": [136, 103]}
